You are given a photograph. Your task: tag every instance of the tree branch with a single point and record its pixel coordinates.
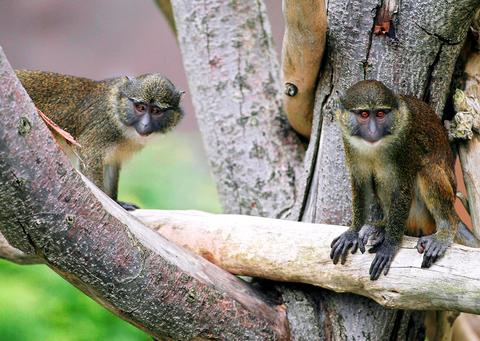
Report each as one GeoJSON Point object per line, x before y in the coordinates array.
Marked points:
{"type": "Point", "coordinates": [300, 252]}
{"type": "Point", "coordinates": [165, 7]}
{"type": "Point", "coordinates": [302, 52]}
{"type": "Point", "coordinates": [14, 255]}
{"type": "Point", "coordinates": [48, 208]}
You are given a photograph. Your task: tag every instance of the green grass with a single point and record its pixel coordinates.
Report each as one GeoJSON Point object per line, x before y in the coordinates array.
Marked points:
{"type": "Point", "coordinates": [37, 304]}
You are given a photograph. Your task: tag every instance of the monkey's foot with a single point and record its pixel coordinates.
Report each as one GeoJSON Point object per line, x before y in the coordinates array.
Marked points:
{"type": "Point", "coordinates": [385, 253]}
{"type": "Point", "coordinates": [432, 249]}
{"type": "Point", "coordinates": [342, 244]}
{"type": "Point", "coordinates": [128, 206]}
{"type": "Point", "coordinates": [367, 231]}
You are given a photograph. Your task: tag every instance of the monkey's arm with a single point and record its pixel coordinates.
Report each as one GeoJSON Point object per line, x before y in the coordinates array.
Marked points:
{"type": "Point", "coordinates": [397, 216]}
{"type": "Point", "coordinates": [111, 175]}
{"type": "Point", "coordinates": [349, 239]}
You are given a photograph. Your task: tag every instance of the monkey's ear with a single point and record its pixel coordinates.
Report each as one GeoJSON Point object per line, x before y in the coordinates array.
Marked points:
{"type": "Point", "coordinates": [181, 93]}
{"type": "Point", "coordinates": [130, 78]}
{"type": "Point", "coordinates": [341, 96]}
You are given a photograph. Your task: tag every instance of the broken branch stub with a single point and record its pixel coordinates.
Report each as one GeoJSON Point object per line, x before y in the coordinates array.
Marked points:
{"type": "Point", "coordinates": [303, 47]}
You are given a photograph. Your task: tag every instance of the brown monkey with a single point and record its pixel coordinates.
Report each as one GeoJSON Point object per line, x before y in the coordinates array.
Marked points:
{"type": "Point", "coordinates": [111, 119]}
{"type": "Point", "coordinates": [397, 150]}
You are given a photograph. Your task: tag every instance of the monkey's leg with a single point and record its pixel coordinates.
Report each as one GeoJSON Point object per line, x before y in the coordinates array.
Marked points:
{"type": "Point", "coordinates": [438, 195]}
{"type": "Point", "coordinates": [103, 176]}
{"type": "Point", "coordinates": [376, 229]}
{"type": "Point", "coordinates": [465, 237]}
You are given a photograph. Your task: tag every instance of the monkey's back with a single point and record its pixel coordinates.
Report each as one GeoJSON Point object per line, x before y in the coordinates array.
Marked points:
{"type": "Point", "coordinates": [62, 97]}
{"type": "Point", "coordinates": [438, 163]}
{"type": "Point", "coordinates": [431, 137]}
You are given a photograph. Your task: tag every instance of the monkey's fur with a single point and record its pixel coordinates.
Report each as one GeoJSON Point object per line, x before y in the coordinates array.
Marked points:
{"type": "Point", "coordinates": [103, 117]}
{"type": "Point", "coordinates": [397, 150]}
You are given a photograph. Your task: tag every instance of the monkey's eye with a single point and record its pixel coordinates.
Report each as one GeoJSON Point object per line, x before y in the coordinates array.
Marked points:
{"type": "Point", "coordinates": [155, 111]}
{"type": "Point", "coordinates": [380, 114]}
{"type": "Point", "coordinates": [364, 114]}
{"type": "Point", "coordinates": [140, 107]}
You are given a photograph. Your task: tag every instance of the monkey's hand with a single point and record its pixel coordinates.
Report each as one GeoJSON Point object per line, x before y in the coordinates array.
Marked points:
{"type": "Point", "coordinates": [128, 206]}
{"type": "Point", "coordinates": [385, 253]}
{"type": "Point", "coordinates": [367, 231]}
{"type": "Point", "coordinates": [432, 247]}
{"type": "Point", "coordinates": [342, 244]}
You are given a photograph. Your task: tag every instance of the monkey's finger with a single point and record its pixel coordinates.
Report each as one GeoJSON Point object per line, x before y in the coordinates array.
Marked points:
{"type": "Point", "coordinates": [345, 252]}
{"type": "Point", "coordinates": [430, 250]}
{"type": "Point", "coordinates": [375, 269]}
{"type": "Point", "coordinates": [354, 247]}
{"type": "Point", "coordinates": [435, 250]}
{"type": "Point", "coordinates": [420, 248]}
{"type": "Point", "coordinates": [334, 250]}
{"type": "Point", "coordinates": [428, 261]}
{"type": "Point", "coordinates": [379, 238]}
{"type": "Point", "coordinates": [333, 256]}
{"type": "Point", "coordinates": [387, 267]}
{"type": "Point", "coordinates": [421, 245]}
{"type": "Point", "coordinates": [362, 241]}
{"type": "Point", "coordinates": [335, 253]}
{"type": "Point", "coordinates": [128, 206]}
{"type": "Point", "coordinates": [334, 241]}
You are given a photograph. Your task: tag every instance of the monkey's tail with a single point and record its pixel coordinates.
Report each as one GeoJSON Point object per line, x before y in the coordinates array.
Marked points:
{"type": "Point", "coordinates": [465, 237]}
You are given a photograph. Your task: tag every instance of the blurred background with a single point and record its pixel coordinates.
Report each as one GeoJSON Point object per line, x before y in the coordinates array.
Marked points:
{"type": "Point", "coordinates": [102, 39]}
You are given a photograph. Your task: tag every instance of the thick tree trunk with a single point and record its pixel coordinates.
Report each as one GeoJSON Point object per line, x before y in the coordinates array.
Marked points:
{"type": "Point", "coordinates": [418, 61]}
{"type": "Point", "coordinates": [234, 78]}
{"type": "Point", "coordinates": [417, 57]}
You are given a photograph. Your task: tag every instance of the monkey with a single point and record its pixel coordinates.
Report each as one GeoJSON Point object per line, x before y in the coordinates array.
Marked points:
{"type": "Point", "coordinates": [397, 151]}
{"type": "Point", "coordinates": [111, 119]}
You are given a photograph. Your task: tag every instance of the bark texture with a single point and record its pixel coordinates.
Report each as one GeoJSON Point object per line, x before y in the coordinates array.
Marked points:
{"type": "Point", "coordinates": [47, 208]}
{"type": "Point", "coordinates": [234, 78]}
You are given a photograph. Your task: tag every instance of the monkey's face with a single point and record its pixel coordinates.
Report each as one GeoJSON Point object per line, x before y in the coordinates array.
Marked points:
{"type": "Point", "coordinates": [367, 111]}
{"type": "Point", "coordinates": [153, 104]}
{"type": "Point", "coordinates": [371, 124]}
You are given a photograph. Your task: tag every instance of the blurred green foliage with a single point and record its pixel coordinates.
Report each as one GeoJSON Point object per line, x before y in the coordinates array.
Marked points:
{"type": "Point", "coordinates": [37, 304]}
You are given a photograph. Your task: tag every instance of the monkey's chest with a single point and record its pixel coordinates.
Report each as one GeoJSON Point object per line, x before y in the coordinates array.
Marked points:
{"type": "Point", "coordinates": [384, 182]}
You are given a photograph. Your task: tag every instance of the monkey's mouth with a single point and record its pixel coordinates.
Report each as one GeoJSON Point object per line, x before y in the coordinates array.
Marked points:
{"type": "Point", "coordinates": [143, 134]}
{"type": "Point", "coordinates": [372, 143]}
